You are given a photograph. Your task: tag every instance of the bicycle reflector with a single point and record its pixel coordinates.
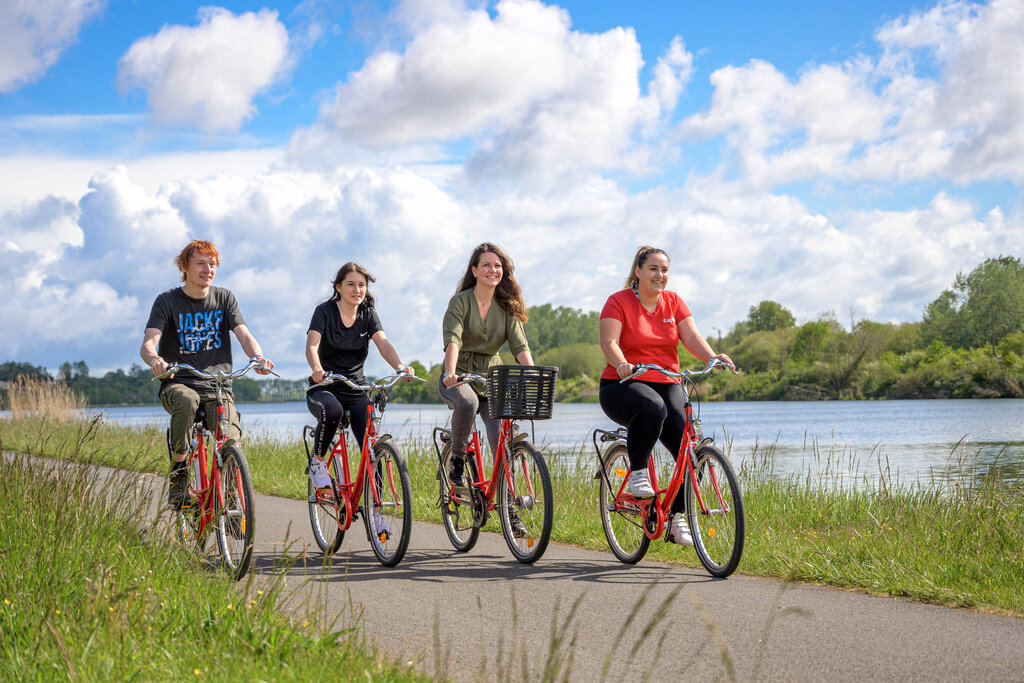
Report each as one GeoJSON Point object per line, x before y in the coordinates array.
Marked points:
{"type": "Point", "coordinates": [619, 472]}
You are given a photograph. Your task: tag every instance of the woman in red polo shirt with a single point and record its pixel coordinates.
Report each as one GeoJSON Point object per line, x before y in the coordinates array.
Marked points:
{"type": "Point", "coordinates": [644, 323]}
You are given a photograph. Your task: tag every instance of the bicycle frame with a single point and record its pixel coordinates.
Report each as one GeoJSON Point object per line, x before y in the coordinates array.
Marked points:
{"type": "Point", "coordinates": [489, 487]}
{"type": "Point", "coordinates": [654, 510]}
{"type": "Point", "coordinates": [350, 489]}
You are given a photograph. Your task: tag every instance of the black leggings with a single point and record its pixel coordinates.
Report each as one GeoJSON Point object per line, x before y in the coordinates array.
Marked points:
{"type": "Point", "coordinates": [650, 411]}
{"type": "Point", "coordinates": [328, 407]}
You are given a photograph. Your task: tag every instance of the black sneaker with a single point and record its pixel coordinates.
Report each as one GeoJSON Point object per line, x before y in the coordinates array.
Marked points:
{"type": "Point", "coordinates": [518, 528]}
{"type": "Point", "coordinates": [177, 488]}
{"type": "Point", "coordinates": [455, 471]}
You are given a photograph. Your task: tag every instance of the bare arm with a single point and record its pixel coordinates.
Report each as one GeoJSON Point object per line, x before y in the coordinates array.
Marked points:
{"type": "Point", "coordinates": [696, 344]}
{"type": "Point", "coordinates": [388, 353]}
{"type": "Point", "coordinates": [148, 351]}
{"type": "Point", "coordinates": [251, 347]}
{"type": "Point", "coordinates": [451, 356]}
{"type": "Point", "coordinates": [313, 355]}
{"type": "Point", "coordinates": [610, 329]}
{"type": "Point", "coordinates": [525, 358]}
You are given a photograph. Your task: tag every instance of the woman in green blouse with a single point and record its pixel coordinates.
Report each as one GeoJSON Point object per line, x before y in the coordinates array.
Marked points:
{"type": "Point", "coordinates": [486, 311]}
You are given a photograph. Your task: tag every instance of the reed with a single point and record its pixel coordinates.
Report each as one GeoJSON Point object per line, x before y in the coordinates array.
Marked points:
{"type": "Point", "coordinates": [30, 397]}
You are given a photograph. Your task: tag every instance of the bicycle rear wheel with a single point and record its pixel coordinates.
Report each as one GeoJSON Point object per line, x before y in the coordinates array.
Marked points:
{"type": "Point", "coordinates": [234, 518]}
{"type": "Point", "coordinates": [623, 522]}
{"type": "Point", "coordinates": [457, 510]}
{"type": "Point", "coordinates": [388, 517]}
{"type": "Point", "coordinates": [324, 513]}
{"type": "Point", "coordinates": [718, 534]}
{"type": "Point", "coordinates": [525, 505]}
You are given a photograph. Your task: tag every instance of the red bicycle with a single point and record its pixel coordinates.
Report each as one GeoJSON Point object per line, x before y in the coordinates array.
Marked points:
{"type": "Point", "coordinates": [381, 479]}
{"type": "Point", "coordinates": [714, 503]}
{"type": "Point", "coordinates": [219, 494]}
{"type": "Point", "coordinates": [520, 486]}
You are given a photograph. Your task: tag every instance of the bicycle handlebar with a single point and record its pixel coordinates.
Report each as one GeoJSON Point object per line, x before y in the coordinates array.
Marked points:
{"type": "Point", "coordinates": [382, 383]}
{"type": "Point", "coordinates": [220, 376]}
{"type": "Point", "coordinates": [468, 377]}
{"type": "Point", "coordinates": [641, 368]}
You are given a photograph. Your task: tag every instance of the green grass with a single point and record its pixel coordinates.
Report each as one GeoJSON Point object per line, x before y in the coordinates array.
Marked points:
{"type": "Point", "coordinates": [954, 544]}
{"type": "Point", "coordinates": [91, 588]}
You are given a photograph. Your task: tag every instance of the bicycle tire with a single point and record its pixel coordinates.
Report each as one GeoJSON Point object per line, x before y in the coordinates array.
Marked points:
{"type": "Point", "coordinates": [718, 536]}
{"type": "Point", "coordinates": [457, 516]}
{"type": "Point", "coordinates": [387, 474]}
{"type": "Point", "coordinates": [623, 523]}
{"type": "Point", "coordinates": [188, 520]}
{"type": "Point", "coordinates": [529, 473]}
{"type": "Point", "coordinates": [323, 514]}
{"type": "Point", "coordinates": [234, 513]}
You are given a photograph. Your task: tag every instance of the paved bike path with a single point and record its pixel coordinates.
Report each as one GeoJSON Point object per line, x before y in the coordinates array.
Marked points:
{"type": "Point", "coordinates": [461, 614]}
{"type": "Point", "coordinates": [484, 616]}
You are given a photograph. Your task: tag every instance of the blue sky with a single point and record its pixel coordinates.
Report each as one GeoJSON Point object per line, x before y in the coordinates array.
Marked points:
{"type": "Point", "coordinates": [835, 157]}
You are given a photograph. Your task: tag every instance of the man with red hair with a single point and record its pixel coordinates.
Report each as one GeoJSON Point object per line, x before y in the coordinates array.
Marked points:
{"type": "Point", "coordinates": [190, 324]}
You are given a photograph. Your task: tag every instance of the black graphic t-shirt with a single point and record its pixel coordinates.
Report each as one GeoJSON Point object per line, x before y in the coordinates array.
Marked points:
{"type": "Point", "coordinates": [195, 331]}
{"type": "Point", "coordinates": [344, 349]}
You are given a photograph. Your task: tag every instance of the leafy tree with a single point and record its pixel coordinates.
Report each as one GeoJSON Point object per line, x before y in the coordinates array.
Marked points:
{"type": "Point", "coordinates": [12, 370]}
{"type": "Point", "coordinates": [981, 308]}
{"type": "Point", "coordinates": [550, 327]}
{"type": "Point", "coordinates": [768, 316]}
{"type": "Point", "coordinates": [574, 360]}
{"type": "Point", "coordinates": [811, 340]}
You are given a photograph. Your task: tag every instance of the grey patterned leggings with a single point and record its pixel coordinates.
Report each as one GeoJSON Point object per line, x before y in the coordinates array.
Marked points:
{"type": "Point", "coordinates": [466, 404]}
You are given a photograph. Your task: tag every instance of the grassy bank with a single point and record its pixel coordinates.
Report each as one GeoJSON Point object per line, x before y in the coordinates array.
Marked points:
{"type": "Point", "coordinates": [92, 589]}
{"type": "Point", "coordinates": [958, 545]}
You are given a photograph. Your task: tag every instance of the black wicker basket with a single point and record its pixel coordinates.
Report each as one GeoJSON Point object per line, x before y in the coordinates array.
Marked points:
{"type": "Point", "coordinates": [521, 392]}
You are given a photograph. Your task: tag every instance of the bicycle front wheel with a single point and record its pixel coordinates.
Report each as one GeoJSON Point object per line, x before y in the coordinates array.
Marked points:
{"type": "Point", "coordinates": [457, 510]}
{"type": "Point", "coordinates": [188, 520]}
{"type": "Point", "coordinates": [234, 518]}
{"type": "Point", "coordinates": [524, 503]}
{"type": "Point", "coordinates": [623, 521]}
{"type": "Point", "coordinates": [324, 511]}
{"type": "Point", "coordinates": [718, 533]}
{"type": "Point", "coordinates": [387, 504]}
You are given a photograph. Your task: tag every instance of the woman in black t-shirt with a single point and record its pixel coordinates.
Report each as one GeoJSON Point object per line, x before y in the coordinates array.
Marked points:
{"type": "Point", "coordinates": [338, 341]}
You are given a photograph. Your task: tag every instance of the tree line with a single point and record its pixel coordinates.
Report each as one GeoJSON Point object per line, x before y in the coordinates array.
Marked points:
{"type": "Point", "coordinates": [968, 344]}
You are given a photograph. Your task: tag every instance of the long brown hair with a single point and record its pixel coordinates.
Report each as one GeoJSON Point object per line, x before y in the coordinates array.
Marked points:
{"type": "Point", "coordinates": [353, 267]}
{"type": "Point", "coordinates": [508, 294]}
{"type": "Point", "coordinates": [642, 254]}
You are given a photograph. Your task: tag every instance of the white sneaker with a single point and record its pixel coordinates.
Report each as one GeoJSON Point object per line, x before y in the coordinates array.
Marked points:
{"type": "Point", "coordinates": [679, 530]}
{"type": "Point", "coordinates": [318, 474]}
{"type": "Point", "coordinates": [640, 484]}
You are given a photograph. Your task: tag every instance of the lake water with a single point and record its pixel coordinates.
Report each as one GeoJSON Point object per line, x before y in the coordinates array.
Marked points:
{"type": "Point", "coordinates": [841, 441]}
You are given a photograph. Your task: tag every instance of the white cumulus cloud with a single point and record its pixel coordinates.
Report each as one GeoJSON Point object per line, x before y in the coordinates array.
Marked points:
{"type": "Point", "coordinates": [35, 33]}
{"type": "Point", "coordinates": [944, 100]}
{"type": "Point", "coordinates": [206, 76]}
{"type": "Point", "coordinates": [530, 92]}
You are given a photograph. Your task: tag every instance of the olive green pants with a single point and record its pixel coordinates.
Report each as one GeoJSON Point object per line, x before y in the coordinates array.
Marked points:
{"type": "Point", "coordinates": [182, 402]}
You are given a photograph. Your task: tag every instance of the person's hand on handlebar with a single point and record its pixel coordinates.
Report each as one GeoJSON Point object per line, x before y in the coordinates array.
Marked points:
{"type": "Point", "coordinates": [409, 372]}
{"type": "Point", "coordinates": [266, 365]}
{"type": "Point", "coordinates": [159, 367]}
{"type": "Point", "coordinates": [624, 369]}
{"type": "Point", "coordinates": [725, 359]}
{"type": "Point", "coordinates": [450, 379]}
{"type": "Point", "coordinates": [318, 375]}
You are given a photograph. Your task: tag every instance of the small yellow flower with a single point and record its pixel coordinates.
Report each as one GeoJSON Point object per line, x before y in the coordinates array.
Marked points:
{"type": "Point", "coordinates": [197, 672]}
{"type": "Point", "coordinates": [111, 609]}
{"type": "Point", "coordinates": [6, 601]}
{"type": "Point", "coordinates": [230, 606]}
{"type": "Point", "coordinates": [259, 592]}
{"type": "Point", "coordinates": [58, 611]}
